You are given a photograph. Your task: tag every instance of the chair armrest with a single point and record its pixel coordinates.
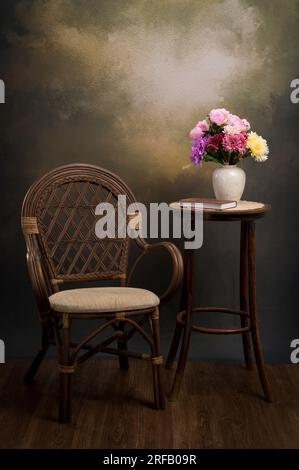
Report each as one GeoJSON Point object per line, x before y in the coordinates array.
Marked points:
{"type": "Point", "coordinates": [177, 265]}
{"type": "Point", "coordinates": [38, 279]}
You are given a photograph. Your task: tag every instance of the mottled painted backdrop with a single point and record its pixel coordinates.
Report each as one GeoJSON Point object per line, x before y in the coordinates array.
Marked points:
{"type": "Point", "coordinates": [120, 84]}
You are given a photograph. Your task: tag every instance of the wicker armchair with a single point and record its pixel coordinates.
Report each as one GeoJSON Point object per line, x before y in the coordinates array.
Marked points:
{"type": "Point", "coordinates": [58, 222]}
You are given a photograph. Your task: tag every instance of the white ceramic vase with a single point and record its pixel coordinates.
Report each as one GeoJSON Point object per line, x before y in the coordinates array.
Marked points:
{"type": "Point", "coordinates": [229, 182]}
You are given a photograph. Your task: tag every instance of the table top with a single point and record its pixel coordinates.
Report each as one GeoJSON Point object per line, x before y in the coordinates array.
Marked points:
{"type": "Point", "coordinates": [243, 210]}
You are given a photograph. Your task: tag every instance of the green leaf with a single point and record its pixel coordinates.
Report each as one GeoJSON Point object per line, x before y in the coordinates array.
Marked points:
{"type": "Point", "coordinates": [210, 158]}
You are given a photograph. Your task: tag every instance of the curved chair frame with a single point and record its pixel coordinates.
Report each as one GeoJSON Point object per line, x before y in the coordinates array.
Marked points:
{"type": "Point", "coordinates": [47, 274]}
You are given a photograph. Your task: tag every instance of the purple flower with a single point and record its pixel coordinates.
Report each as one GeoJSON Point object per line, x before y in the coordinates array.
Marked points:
{"type": "Point", "coordinates": [198, 150]}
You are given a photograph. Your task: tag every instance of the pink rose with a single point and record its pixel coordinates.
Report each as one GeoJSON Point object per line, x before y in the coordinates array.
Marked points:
{"type": "Point", "coordinates": [198, 131]}
{"type": "Point", "coordinates": [241, 124]}
{"type": "Point", "coordinates": [219, 116]}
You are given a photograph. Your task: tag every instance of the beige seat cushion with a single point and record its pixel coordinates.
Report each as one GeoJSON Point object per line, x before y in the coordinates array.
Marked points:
{"type": "Point", "coordinates": [102, 299]}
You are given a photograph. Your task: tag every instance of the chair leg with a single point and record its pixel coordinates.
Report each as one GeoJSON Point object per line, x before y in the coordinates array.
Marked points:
{"type": "Point", "coordinates": [31, 372]}
{"type": "Point", "coordinates": [65, 374]}
{"type": "Point", "coordinates": [156, 388]}
{"type": "Point", "coordinates": [158, 373]}
{"type": "Point", "coordinates": [35, 364]}
{"type": "Point", "coordinates": [253, 313]}
{"type": "Point", "coordinates": [122, 345]}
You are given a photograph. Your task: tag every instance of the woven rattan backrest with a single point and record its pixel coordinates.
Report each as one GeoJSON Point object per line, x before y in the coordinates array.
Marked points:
{"type": "Point", "coordinates": [59, 209]}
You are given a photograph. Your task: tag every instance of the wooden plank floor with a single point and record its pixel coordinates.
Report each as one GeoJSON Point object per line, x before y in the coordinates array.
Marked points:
{"type": "Point", "coordinates": [220, 407]}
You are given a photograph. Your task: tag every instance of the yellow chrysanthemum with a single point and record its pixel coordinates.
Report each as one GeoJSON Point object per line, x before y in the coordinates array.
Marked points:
{"type": "Point", "coordinates": [258, 147]}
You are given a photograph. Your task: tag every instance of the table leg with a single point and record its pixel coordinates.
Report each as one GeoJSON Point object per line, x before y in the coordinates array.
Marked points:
{"type": "Point", "coordinates": [253, 313]}
{"type": "Point", "coordinates": [187, 327]}
{"type": "Point", "coordinates": [178, 326]}
{"type": "Point", "coordinates": [244, 293]}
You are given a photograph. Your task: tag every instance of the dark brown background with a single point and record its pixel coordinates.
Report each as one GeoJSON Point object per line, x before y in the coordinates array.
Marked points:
{"type": "Point", "coordinates": [120, 84]}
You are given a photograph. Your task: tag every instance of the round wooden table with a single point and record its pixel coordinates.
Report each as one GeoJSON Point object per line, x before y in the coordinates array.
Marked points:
{"type": "Point", "coordinates": [246, 212]}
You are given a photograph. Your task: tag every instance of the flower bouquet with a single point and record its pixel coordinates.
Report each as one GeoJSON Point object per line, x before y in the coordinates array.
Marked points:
{"type": "Point", "coordinates": [226, 139]}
